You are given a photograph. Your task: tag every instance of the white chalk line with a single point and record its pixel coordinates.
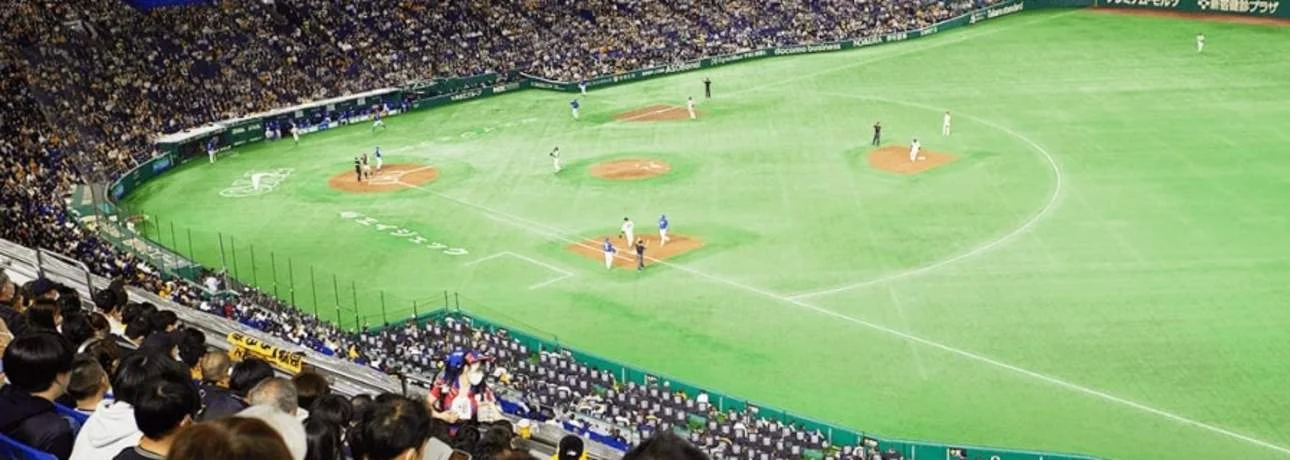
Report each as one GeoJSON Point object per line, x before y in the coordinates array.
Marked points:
{"type": "Point", "coordinates": [1039, 215]}
{"type": "Point", "coordinates": [520, 222]}
{"type": "Point", "coordinates": [652, 112]}
{"type": "Point", "coordinates": [564, 274]}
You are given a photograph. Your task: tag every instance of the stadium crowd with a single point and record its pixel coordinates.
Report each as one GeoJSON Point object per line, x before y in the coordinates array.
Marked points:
{"type": "Point", "coordinates": [88, 84]}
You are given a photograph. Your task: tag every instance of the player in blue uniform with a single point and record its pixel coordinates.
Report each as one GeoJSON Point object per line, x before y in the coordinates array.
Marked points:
{"type": "Point", "coordinates": [574, 105]}
{"type": "Point", "coordinates": [662, 230]}
{"type": "Point", "coordinates": [376, 119]}
{"type": "Point", "coordinates": [609, 250]}
{"type": "Point", "coordinates": [210, 149]}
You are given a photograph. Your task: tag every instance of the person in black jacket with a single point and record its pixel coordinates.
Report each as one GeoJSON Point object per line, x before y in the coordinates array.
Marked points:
{"type": "Point", "coordinates": [38, 367]}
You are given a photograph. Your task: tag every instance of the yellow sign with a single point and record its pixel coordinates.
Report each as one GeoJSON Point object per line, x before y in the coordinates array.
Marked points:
{"type": "Point", "coordinates": [244, 346]}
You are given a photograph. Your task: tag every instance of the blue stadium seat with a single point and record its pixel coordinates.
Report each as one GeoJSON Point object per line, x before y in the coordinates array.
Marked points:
{"type": "Point", "coordinates": [76, 419]}
{"type": "Point", "coordinates": [12, 449]}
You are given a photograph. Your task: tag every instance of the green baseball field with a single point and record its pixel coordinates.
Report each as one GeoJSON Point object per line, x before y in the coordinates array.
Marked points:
{"type": "Point", "coordinates": [1094, 260]}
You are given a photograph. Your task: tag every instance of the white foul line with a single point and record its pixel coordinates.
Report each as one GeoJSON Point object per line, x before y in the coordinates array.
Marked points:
{"type": "Point", "coordinates": [1040, 215]}
{"type": "Point", "coordinates": [556, 233]}
{"type": "Point", "coordinates": [646, 114]}
{"type": "Point", "coordinates": [564, 274]}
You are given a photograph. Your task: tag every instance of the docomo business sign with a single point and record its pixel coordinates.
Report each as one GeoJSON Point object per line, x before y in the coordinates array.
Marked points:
{"type": "Point", "coordinates": [808, 49]}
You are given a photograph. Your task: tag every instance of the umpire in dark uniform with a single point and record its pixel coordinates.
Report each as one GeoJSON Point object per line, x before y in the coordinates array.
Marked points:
{"type": "Point", "coordinates": [707, 88]}
{"type": "Point", "coordinates": [358, 170]}
{"type": "Point", "coordinates": [640, 254]}
{"type": "Point", "coordinates": [877, 132]}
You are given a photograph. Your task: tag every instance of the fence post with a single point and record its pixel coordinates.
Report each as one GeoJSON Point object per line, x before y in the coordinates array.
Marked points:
{"type": "Point", "coordinates": [291, 278]}
{"type": "Point", "coordinates": [191, 256]}
{"type": "Point", "coordinates": [233, 244]}
{"type": "Point", "coordinates": [456, 300]}
{"type": "Point", "coordinates": [353, 290]}
{"type": "Point", "coordinates": [273, 270]}
{"type": "Point", "coordinates": [40, 263]}
{"type": "Point", "coordinates": [255, 279]}
{"type": "Point", "coordinates": [313, 287]}
{"type": "Point", "coordinates": [414, 311]}
{"type": "Point", "coordinates": [335, 287]}
{"type": "Point", "coordinates": [223, 263]}
{"type": "Point", "coordinates": [384, 321]}
{"type": "Point", "coordinates": [445, 300]}
{"type": "Point", "coordinates": [174, 242]}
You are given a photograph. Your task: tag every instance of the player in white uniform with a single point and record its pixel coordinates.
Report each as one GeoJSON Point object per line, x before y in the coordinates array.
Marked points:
{"type": "Point", "coordinates": [945, 124]}
{"type": "Point", "coordinates": [627, 230]}
{"type": "Point", "coordinates": [295, 134]}
{"type": "Point", "coordinates": [1200, 42]}
{"type": "Point", "coordinates": [914, 148]}
{"type": "Point", "coordinates": [255, 181]}
{"type": "Point", "coordinates": [582, 87]}
{"type": "Point", "coordinates": [689, 105]}
{"type": "Point", "coordinates": [555, 158]}
{"type": "Point", "coordinates": [379, 160]}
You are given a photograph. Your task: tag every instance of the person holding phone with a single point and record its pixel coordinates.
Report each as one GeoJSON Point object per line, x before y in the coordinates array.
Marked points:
{"type": "Point", "coordinates": [461, 393]}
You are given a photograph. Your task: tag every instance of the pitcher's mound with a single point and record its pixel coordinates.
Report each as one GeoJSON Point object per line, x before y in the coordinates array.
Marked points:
{"type": "Point", "coordinates": [630, 169]}
{"type": "Point", "coordinates": [389, 179]}
{"type": "Point", "coordinates": [656, 112]}
{"type": "Point", "coordinates": [895, 159]}
{"type": "Point", "coordinates": [626, 258]}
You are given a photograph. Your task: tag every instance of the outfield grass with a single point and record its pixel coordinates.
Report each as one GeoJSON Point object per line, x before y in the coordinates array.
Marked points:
{"type": "Point", "coordinates": [1102, 271]}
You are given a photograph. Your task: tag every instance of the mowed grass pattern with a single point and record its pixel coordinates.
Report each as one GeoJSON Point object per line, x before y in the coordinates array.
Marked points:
{"type": "Point", "coordinates": [1141, 315]}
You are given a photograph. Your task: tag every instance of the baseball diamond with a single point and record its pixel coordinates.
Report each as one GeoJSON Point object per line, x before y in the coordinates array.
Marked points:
{"type": "Point", "coordinates": [1092, 261]}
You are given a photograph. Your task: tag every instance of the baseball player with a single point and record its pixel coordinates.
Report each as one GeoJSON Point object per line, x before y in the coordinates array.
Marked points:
{"type": "Point", "coordinates": [379, 161]}
{"type": "Point", "coordinates": [608, 247]}
{"type": "Point", "coordinates": [689, 105]}
{"type": "Point", "coordinates": [210, 149]}
{"type": "Point", "coordinates": [877, 132]}
{"type": "Point", "coordinates": [358, 169]}
{"type": "Point", "coordinates": [945, 124]}
{"type": "Point", "coordinates": [582, 86]}
{"type": "Point", "coordinates": [707, 88]}
{"type": "Point", "coordinates": [256, 178]}
{"type": "Point", "coordinates": [295, 133]}
{"type": "Point", "coordinates": [662, 230]}
{"type": "Point", "coordinates": [367, 168]}
{"type": "Point", "coordinates": [640, 254]}
{"type": "Point", "coordinates": [914, 148]}
{"type": "Point", "coordinates": [627, 230]}
{"type": "Point", "coordinates": [555, 158]}
{"type": "Point", "coordinates": [574, 106]}
{"type": "Point", "coordinates": [1200, 42]}
{"type": "Point", "coordinates": [376, 118]}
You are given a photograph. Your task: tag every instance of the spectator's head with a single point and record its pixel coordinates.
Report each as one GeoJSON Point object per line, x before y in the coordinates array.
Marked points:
{"type": "Point", "coordinates": [239, 438]}
{"type": "Point", "coordinates": [393, 428]}
{"type": "Point", "coordinates": [105, 301]}
{"type": "Point", "coordinates": [102, 327]}
{"type": "Point", "coordinates": [7, 289]}
{"type": "Point", "coordinates": [333, 408]}
{"type": "Point", "coordinates": [163, 408]}
{"type": "Point", "coordinates": [277, 392]}
{"type": "Point", "coordinates": [571, 448]}
{"type": "Point", "coordinates": [40, 364]}
{"type": "Point", "coordinates": [141, 368]}
{"type": "Point", "coordinates": [361, 403]}
{"type": "Point", "coordinates": [137, 330]}
{"type": "Point", "coordinates": [106, 352]}
{"type": "Point", "coordinates": [44, 315]}
{"type": "Point", "coordinates": [77, 329]}
{"type": "Point", "coordinates": [136, 311]}
{"type": "Point", "coordinates": [247, 374]}
{"type": "Point", "coordinates": [323, 439]}
{"type": "Point", "coordinates": [163, 321]}
{"type": "Point", "coordinates": [44, 289]}
{"type": "Point", "coordinates": [215, 367]}
{"type": "Point", "coordinates": [89, 382]}
{"type": "Point", "coordinates": [166, 343]}
{"type": "Point", "coordinates": [309, 386]}
{"type": "Point", "coordinates": [192, 347]}
{"type": "Point", "coordinates": [494, 440]}
{"type": "Point", "coordinates": [287, 426]}
{"type": "Point", "coordinates": [665, 446]}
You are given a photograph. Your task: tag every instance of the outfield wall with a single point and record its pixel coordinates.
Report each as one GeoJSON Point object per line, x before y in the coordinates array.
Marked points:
{"type": "Point", "coordinates": [1249, 8]}
{"type": "Point", "coordinates": [180, 148]}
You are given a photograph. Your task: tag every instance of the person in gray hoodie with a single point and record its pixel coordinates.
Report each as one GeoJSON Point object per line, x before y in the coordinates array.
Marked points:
{"type": "Point", "coordinates": [112, 428]}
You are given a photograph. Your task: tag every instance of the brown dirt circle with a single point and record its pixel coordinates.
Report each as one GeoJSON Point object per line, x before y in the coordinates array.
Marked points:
{"type": "Point", "coordinates": [390, 178]}
{"type": "Point", "coordinates": [630, 169]}
{"type": "Point", "coordinates": [657, 112]}
{"type": "Point", "coordinates": [895, 159]}
{"type": "Point", "coordinates": [626, 258]}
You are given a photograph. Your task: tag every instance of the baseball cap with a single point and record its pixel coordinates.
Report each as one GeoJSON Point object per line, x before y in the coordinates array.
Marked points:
{"type": "Point", "coordinates": [570, 448]}
{"type": "Point", "coordinates": [42, 286]}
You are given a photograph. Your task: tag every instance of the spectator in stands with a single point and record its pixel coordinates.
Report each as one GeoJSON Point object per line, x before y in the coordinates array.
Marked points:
{"type": "Point", "coordinates": [310, 386]}
{"type": "Point", "coordinates": [395, 427]}
{"type": "Point", "coordinates": [137, 331]}
{"type": "Point", "coordinates": [571, 448]}
{"type": "Point", "coordinates": [191, 349]}
{"type": "Point", "coordinates": [106, 352]}
{"type": "Point", "coordinates": [89, 385]}
{"type": "Point", "coordinates": [665, 446]}
{"type": "Point", "coordinates": [44, 315]}
{"type": "Point", "coordinates": [230, 438]}
{"type": "Point", "coordinates": [163, 321]}
{"type": "Point", "coordinates": [275, 392]}
{"type": "Point", "coordinates": [43, 289]}
{"type": "Point", "coordinates": [495, 440]}
{"type": "Point", "coordinates": [76, 328]}
{"type": "Point", "coordinates": [361, 403]}
{"type": "Point", "coordinates": [218, 400]}
{"type": "Point", "coordinates": [287, 426]}
{"type": "Point", "coordinates": [323, 439]}
{"type": "Point", "coordinates": [106, 301]}
{"type": "Point", "coordinates": [247, 374]}
{"type": "Point", "coordinates": [462, 393]}
{"type": "Point", "coordinates": [12, 318]}
{"type": "Point", "coordinates": [162, 409]}
{"type": "Point", "coordinates": [335, 409]}
{"type": "Point", "coordinates": [38, 367]}
{"type": "Point", "coordinates": [112, 427]}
